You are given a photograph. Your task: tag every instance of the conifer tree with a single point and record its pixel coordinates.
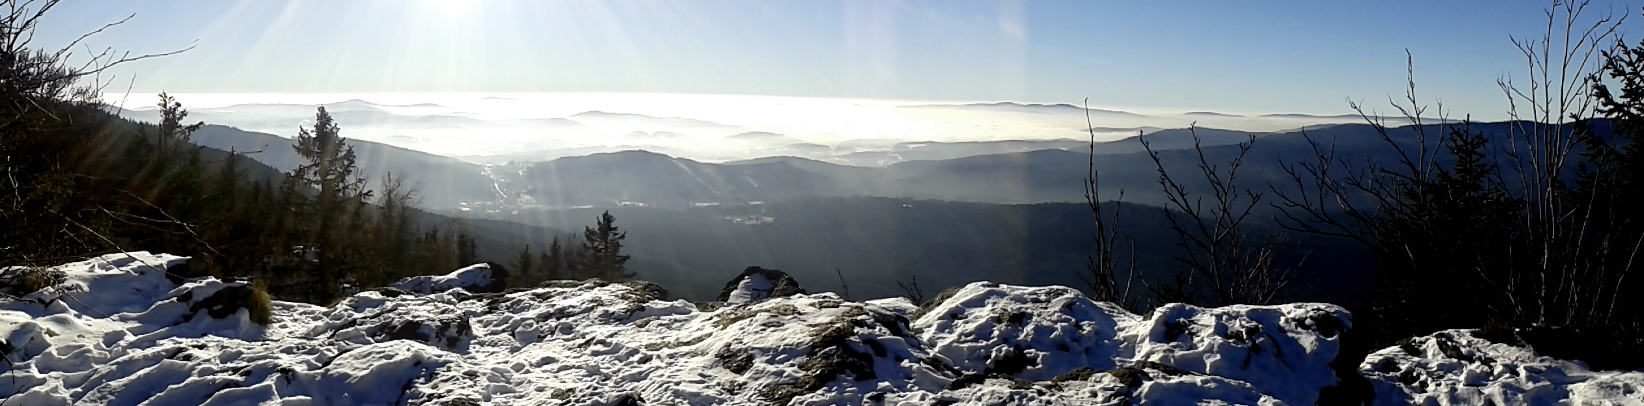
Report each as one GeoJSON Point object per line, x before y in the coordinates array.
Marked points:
{"type": "Point", "coordinates": [174, 135]}
{"type": "Point", "coordinates": [603, 244]}
{"type": "Point", "coordinates": [526, 266]}
{"type": "Point", "coordinates": [553, 261]}
{"type": "Point", "coordinates": [466, 250]}
{"type": "Point", "coordinates": [338, 192]}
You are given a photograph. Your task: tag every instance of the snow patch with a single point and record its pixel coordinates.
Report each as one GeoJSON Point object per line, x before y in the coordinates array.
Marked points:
{"type": "Point", "coordinates": [473, 278]}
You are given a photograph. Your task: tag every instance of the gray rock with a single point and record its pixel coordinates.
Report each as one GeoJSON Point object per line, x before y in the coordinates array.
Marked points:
{"type": "Point", "coordinates": [755, 284]}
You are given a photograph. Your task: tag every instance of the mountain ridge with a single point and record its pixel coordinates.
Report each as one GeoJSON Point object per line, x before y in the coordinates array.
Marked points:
{"type": "Point", "coordinates": [444, 182]}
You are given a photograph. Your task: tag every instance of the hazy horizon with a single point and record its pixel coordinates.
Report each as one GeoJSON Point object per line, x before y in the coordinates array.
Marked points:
{"type": "Point", "coordinates": [508, 79]}
{"type": "Point", "coordinates": [1307, 58]}
{"type": "Point", "coordinates": [703, 127]}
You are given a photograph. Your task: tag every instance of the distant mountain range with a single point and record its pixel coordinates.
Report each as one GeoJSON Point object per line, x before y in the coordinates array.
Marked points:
{"type": "Point", "coordinates": [764, 144]}
{"type": "Point", "coordinates": [693, 222]}
{"type": "Point", "coordinates": [442, 181]}
{"type": "Point", "coordinates": [1210, 114]}
{"type": "Point", "coordinates": [351, 113]}
{"type": "Point", "coordinates": [1054, 174]}
{"type": "Point", "coordinates": [500, 139]}
{"type": "Point", "coordinates": [1012, 171]}
{"type": "Point", "coordinates": [600, 116]}
{"type": "Point", "coordinates": [1025, 108]}
{"type": "Point", "coordinates": [1016, 171]}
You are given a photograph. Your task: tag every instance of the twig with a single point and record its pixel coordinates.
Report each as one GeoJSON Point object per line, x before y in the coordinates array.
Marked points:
{"type": "Point", "coordinates": [842, 285]}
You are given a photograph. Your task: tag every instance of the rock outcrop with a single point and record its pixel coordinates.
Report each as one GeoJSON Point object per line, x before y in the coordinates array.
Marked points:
{"type": "Point", "coordinates": [476, 278]}
{"type": "Point", "coordinates": [124, 334]}
{"type": "Point", "coordinates": [756, 284]}
{"type": "Point", "coordinates": [1455, 367]}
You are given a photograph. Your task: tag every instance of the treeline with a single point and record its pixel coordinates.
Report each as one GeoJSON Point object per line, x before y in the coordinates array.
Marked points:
{"type": "Point", "coordinates": [598, 255]}
{"type": "Point", "coordinates": [328, 231]}
{"type": "Point", "coordinates": [83, 182]}
{"type": "Point", "coordinates": [312, 234]}
{"type": "Point", "coordinates": [1533, 235]}
{"type": "Point", "coordinates": [77, 181]}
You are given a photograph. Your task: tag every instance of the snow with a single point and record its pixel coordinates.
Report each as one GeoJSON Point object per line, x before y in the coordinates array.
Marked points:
{"type": "Point", "coordinates": [1454, 367]}
{"type": "Point", "coordinates": [751, 289]}
{"type": "Point", "coordinates": [471, 278]}
{"type": "Point", "coordinates": [124, 334]}
{"type": "Point", "coordinates": [1250, 354]}
{"type": "Point", "coordinates": [1284, 350]}
{"type": "Point", "coordinates": [116, 332]}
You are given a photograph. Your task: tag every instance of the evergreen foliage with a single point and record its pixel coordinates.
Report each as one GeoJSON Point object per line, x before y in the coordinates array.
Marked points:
{"type": "Point", "coordinates": [527, 270]}
{"type": "Point", "coordinates": [1452, 228]}
{"type": "Point", "coordinates": [328, 194]}
{"type": "Point", "coordinates": [603, 244]}
{"type": "Point", "coordinates": [553, 262]}
{"type": "Point", "coordinates": [557, 262]}
{"type": "Point", "coordinates": [78, 181]}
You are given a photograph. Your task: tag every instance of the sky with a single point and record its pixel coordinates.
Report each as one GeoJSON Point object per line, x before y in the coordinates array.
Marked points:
{"type": "Point", "coordinates": [1244, 57]}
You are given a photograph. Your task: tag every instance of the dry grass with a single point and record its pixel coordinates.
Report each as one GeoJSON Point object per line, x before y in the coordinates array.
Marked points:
{"type": "Point", "coordinates": [26, 281]}
{"type": "Point", "coordinates": [260, 304]}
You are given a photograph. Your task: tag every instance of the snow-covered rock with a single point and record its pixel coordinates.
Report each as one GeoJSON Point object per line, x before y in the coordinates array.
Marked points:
{"type": "Point", "coordinates": [594, 342]}
{"type": "Point", "coordinates": [373, 317]}
{"type": "Point", "coordinates": [1279, 353]}
{"type": "Point", "coordinates": [1283, 350]}
{"type": "Point", "coordinates": [473, 278]}
{"type": "Point", "coordinates": [756, 284]}
{"type": "Point", "coordinates": [116, 331]}
{"type": "Point", "coordinates": [1031, 333]}
{"type": "Point", "coordinates": [1454, 367]}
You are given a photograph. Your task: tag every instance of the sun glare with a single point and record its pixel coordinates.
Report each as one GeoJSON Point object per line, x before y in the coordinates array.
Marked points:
{"type": "Point", "coordinates": [452, 6]}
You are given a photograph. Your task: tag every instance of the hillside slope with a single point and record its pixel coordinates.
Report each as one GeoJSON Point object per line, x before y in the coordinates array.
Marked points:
{"type": "Point", "coordinates": [442, 182]}
{"type": "Point", "coordinates": [1045, 172]}
{"type": "Point", "coordinates": [874, 243]}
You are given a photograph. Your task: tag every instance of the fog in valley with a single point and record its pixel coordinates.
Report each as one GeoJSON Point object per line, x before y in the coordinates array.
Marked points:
{"type": "Point", "coordinates": [525, 127]}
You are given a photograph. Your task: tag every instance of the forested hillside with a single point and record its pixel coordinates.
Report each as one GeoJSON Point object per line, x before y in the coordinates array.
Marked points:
{"type": "Point", "coordinates": [81, 181]}
{"type": "Point", "coordinates": [873, 243]}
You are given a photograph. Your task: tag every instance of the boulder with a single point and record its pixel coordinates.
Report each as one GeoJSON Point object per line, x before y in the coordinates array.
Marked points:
{"type": "Point", "coordinates": [1457, 367]}
{"type": "Point", "coordinates": [477, 278]}
{"type": "Point", "coordinates": [372, 318]}
{"type": "Point", "coordinates": [756, 284]}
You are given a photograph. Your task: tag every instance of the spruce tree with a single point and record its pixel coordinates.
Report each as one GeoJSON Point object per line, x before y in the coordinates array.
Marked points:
{"type": "Point", "coordinates": [174, 135]}
{"type": "Point", "coordinates": [553, 262]}
{"type": "Point", "coordinates": [526, 267]}
{"type": "Point", "coordinates": [338, 192]}
{"type": "Point", "coordinates": [603, 244]}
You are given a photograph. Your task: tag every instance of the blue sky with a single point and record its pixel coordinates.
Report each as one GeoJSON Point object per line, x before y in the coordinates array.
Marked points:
{"type": "Point", "coordinates": [1242, 57]}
